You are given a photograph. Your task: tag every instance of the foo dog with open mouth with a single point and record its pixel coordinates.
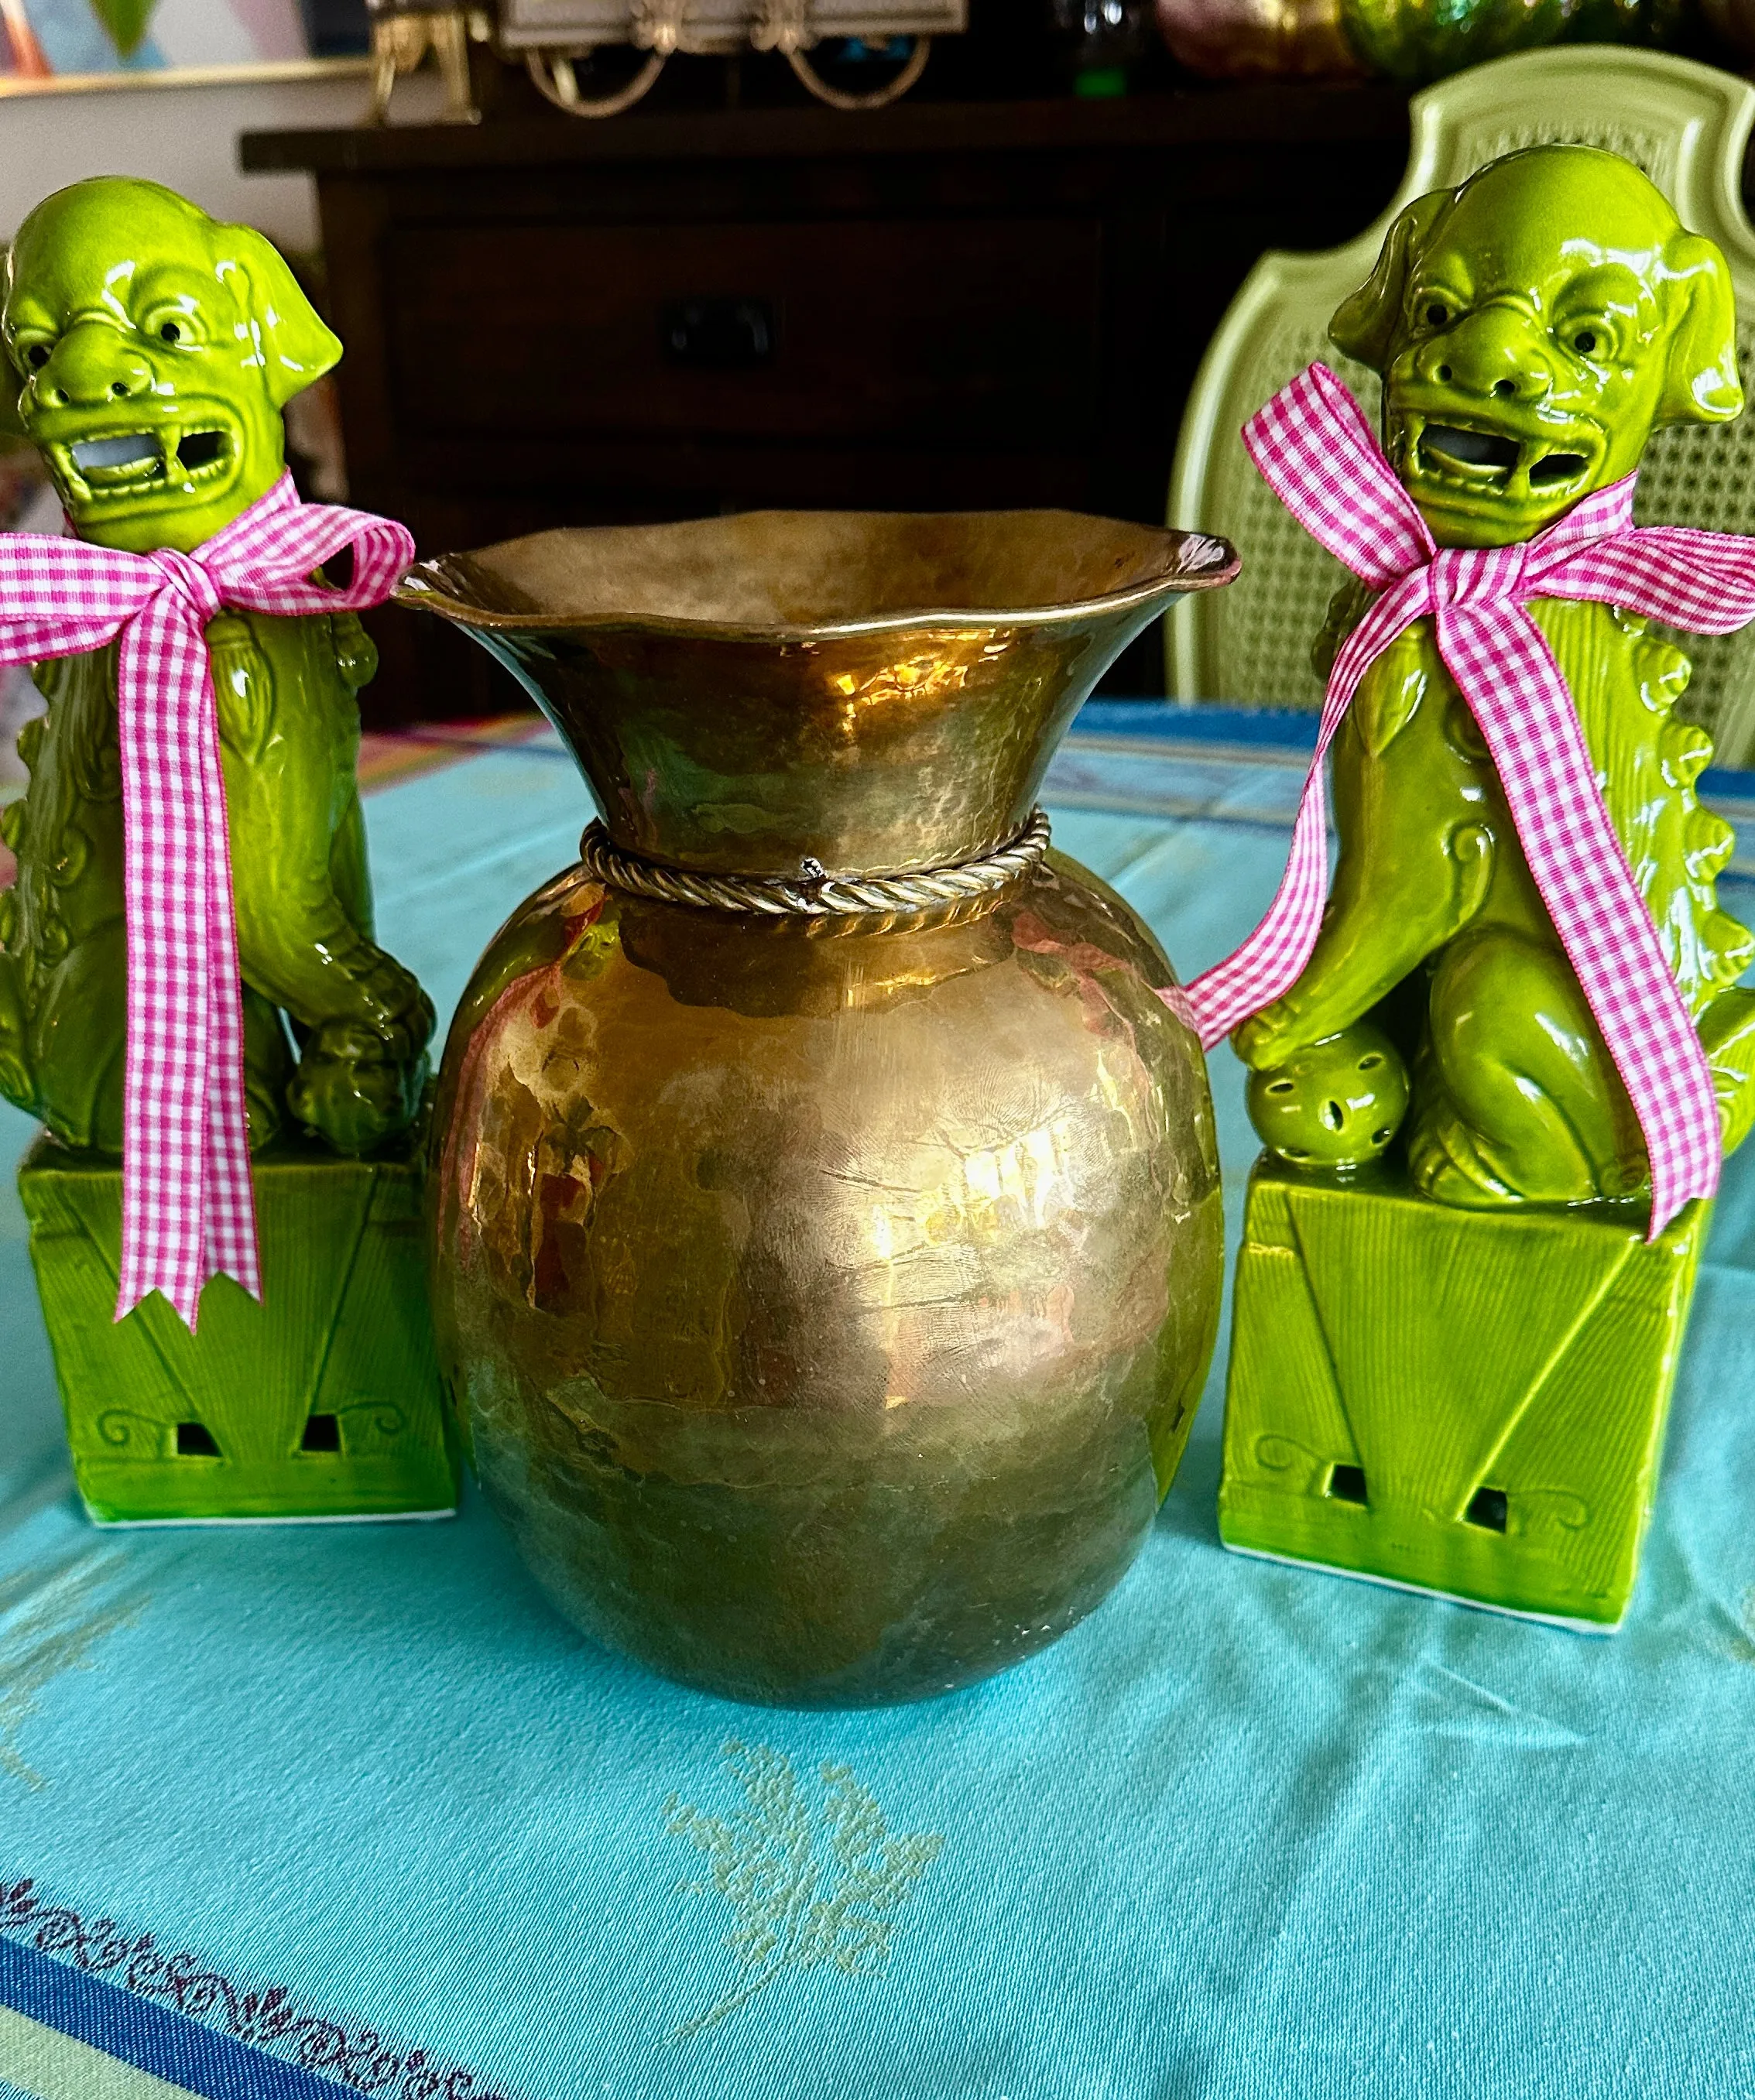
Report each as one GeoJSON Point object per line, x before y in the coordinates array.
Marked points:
{"type": "Point", "coordinates": [157, 350]}
{"type": "Point", "coordinates": [1532, 328]}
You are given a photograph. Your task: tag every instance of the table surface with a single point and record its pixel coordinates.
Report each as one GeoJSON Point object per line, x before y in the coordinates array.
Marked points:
{"type": "Point", "coordinates": [354, 1798]}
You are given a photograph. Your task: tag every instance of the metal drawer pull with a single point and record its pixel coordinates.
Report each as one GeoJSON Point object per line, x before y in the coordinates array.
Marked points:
{"type": "Point", "coordinates": [718, 335]}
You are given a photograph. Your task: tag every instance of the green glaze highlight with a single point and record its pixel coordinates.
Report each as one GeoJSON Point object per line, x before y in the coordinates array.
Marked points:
{"type": "Point", "coordinates": [1555, 306]}
{"type": "Point", "coordinates": [137, 323]}
{"type": "Point", "coordinates": [1473, 1404]}
{"type": "Point", "coordinates": [1337, 1104]}
{"type": "Point", "coordinates": [323, 1402]}
{"type": "Point", "coordinates": [1533, 328]}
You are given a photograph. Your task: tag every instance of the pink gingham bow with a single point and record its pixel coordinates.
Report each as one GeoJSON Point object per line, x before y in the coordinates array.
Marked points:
{"type": "Point", "coordinates": [1314, 447]}
{"type": "Point", "coordinates": [188, 1209]}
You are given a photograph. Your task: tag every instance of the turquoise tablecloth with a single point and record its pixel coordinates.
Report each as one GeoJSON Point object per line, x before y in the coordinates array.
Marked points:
{"type": "Point", "coordinates": [354, 1797]}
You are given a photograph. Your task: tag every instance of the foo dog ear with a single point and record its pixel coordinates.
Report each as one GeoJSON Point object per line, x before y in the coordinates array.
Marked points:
{"type": "Point", "coordinates": [1700, 383]}
{"type": "Point", "coordinates": [295, 345]}
{"type": "Point", "coordinates": [1365, 324]}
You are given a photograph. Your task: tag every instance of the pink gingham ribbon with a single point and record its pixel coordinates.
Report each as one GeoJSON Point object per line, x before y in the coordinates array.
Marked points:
{"type": "Point", "coordinates": [188, 1210]}
{"type": "Point", "coordinates": [1318, 454]}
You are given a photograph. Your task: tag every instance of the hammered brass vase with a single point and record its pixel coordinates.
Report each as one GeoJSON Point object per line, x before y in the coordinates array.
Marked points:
{"type": "Point", "coordinates": [826, 1248]}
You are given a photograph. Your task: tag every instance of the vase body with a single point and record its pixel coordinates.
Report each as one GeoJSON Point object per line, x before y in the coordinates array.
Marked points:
{"type": "Point", "coordinates": [826, 1306]}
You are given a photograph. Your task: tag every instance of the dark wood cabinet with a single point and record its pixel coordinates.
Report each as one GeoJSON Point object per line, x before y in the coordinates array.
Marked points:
{"type": "Point", "coordinates": [958, 335]}
{"type": "Point", "coordinates": [936, 306]}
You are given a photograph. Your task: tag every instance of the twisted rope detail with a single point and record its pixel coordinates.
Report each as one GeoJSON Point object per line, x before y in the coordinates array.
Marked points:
{"type": "Point", "coordinates": [817, 894]}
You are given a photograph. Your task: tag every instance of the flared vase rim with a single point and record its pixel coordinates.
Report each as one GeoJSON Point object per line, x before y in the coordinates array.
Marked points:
{"type": "Point", "coordinates": [1200, 561]}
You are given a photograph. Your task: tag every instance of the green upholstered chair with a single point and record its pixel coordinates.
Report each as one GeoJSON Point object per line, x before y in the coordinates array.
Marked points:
{"type": "Point", "coordinates": [1686, 126]}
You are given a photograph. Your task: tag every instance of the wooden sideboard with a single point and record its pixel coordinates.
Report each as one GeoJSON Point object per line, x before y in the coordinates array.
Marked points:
{"type": "Point", "coordinates": [935, 306]}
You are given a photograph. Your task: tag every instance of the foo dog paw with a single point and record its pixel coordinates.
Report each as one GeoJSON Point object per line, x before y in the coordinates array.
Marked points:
{"type": "Point", "coordinates": [352, 1087]}
{"type": "Point", "coordinates": [1445, 1162]}
{"type": "Point", "coordinates": [1336, 1103]}
{"type": "Point", "coordinates": [262, 1113]}
{"type": "Point", "coordinates": [397, 1009]}
{"type": "Point", "coordinates": [355, 651]}
{"type": "Point", "coordinates": [1259, 1042]}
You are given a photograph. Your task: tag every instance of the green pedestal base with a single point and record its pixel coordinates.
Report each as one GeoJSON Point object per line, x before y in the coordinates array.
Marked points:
{"type": "Point", "coordinates": [1467, 1402]}
{"type": "Point", "coordinates": [323, 1402]}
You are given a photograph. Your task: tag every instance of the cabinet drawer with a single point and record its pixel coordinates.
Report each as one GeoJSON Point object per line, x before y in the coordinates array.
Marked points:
{"type": "Point", "coordinates": [985, 332]}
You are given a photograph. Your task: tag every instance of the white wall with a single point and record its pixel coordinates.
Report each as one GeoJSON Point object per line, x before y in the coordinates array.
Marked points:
{"type": "Point", "coordinates": [186, 137]}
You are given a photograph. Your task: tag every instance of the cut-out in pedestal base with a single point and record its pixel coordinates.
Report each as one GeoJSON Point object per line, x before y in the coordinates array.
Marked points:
{"type": "Point", "coordinates": [323, 1402]}
{"type": "Point", "coordinates": [1471, 1402]}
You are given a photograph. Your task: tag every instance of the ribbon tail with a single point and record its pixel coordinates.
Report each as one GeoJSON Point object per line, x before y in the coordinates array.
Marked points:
{"type": "Point", "coordinates": [61, 597]}
{"type": "Point", "coordinates": [229, 1235]}
{"type": "Point", "coordinates": [1704, 582]}
{"type": "Point", "coordinates": [1505, 670]}
{"type": "Point", "coordinates": [187, 1204]}
{"type": "Point", "coordinates": [1313, 447]}
{"type": "Point", "coordinates": [1177, 1001]}
{"type": "Point", "coordinates": [165, 1071]}
{"type": "Point", "coordinates": [1273, 957]}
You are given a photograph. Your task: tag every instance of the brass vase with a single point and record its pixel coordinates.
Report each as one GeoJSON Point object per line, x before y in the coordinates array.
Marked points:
{"type": "Point", "coordinates": [826, 1244]}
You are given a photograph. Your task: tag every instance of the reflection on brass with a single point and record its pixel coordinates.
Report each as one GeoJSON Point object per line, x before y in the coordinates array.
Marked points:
{"type": "Point", "coordinates": [827, 1317]}
{"type": "Point", "coordinates": [1229, 38]}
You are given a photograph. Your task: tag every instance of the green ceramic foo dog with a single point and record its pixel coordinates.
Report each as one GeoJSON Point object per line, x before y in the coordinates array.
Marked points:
{"type": "Point", "coordinates": [1453, 1351]}
{"type": "Point", "coordinates": [157, 351]}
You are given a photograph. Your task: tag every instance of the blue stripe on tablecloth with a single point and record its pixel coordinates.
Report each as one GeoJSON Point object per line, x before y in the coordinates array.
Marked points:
{"type": "Point", "coordinates": [153, 2038]}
